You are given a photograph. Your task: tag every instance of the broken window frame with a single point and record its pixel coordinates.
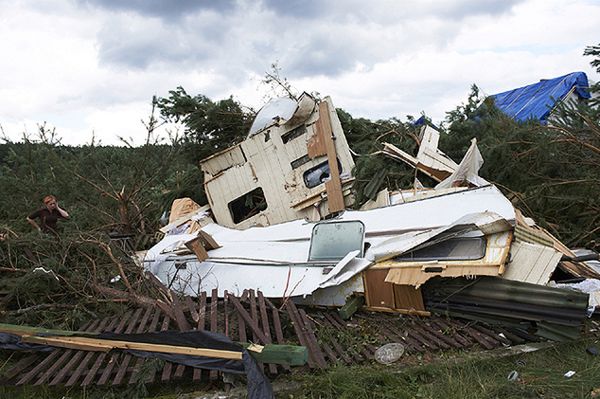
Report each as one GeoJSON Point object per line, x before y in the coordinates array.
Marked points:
{"type": "Point", "coordinates": [427, 253]}
{"type": "Point", "coordinates": [324, 236]}
{"type": "Point", "coordinates": [324, 166]}
{"type": "Point", "coordinates": [238, 215]}
{"type": "Point", "coordinates": [294, 133]}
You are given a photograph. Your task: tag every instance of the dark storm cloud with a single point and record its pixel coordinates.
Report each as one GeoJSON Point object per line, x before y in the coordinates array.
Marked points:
{"type": "Point", "coordinates": [298, 8]}
{"type": "Point", "coordinates": [462, 9]}
{"type": "Point", "coordinates": [140, 44]}
{"type": "Point", "coordinates": [387, 12]}
{"type": "Point", "coordinates": [320, 56]}
{"type": "Point", "coordinates": [164, 9]}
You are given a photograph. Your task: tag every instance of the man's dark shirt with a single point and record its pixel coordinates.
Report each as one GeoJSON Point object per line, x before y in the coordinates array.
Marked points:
{"type": "Point", "coordinates": [48, 219]}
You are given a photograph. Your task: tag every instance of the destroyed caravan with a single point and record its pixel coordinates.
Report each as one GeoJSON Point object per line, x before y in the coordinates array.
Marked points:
{"type": "Point", "coordinates": [259, 239]}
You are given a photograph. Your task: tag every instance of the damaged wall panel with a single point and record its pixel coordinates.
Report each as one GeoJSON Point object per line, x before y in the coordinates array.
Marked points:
{"type": "Point", "coordinates": [415, 273]}
{"type": "Point", "coordinates": [275, 158]}
{"type": "Point", "coordinates": [531, 263]}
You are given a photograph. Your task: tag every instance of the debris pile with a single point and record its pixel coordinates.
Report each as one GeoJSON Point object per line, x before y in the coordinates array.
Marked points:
{"type": "Point", "coordinates": [272, 269]}
{"type": "Point", "coordinates": [416, 251]}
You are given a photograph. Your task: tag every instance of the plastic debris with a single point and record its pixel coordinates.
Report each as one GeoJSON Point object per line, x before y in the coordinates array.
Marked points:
{"type": "Point", "coordinates": [569, 374]}
{"type": "Point", "coordinates": [513, 376]}
{"type": "Point", "coordinates": [389, 353]}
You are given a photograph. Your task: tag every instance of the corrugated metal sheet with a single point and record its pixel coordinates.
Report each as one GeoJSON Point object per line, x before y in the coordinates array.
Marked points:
{"type": "Point", "coordinates": [552, 313]}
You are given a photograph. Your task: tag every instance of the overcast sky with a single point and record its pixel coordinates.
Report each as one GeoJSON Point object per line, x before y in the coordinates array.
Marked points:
{"type": "Point", "coordinates": [88, 66]}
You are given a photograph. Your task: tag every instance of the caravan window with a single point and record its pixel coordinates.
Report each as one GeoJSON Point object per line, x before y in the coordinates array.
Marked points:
{"type": "Point", "coordinates": [318, 174]}
{"type": "Point", "coordinates": [247, 205]}
{"type": "Point", "coordinates": [464, 248]}
{"type": "Point", "coordinates": [331, 241]}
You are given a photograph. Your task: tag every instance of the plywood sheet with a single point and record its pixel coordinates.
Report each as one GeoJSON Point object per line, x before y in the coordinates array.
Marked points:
{"type": "Point", "coordinates": [378, 293]}
{"type": "Point", "coordinates": [408, 298]}
{"type": "Point", "coordinates": [223, 160]}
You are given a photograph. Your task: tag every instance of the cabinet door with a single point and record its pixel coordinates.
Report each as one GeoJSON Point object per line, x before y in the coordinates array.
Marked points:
{"type": "Point", "coordinates": [379, 294]}
{"type": "Point", "coordinates": [408, 298]}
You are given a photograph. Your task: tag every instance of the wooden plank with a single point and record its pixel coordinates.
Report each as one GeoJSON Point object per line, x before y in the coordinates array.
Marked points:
{"type": "Point", "coordinates": [265, 325]}
{"type": "Point", "coordinates": [429, 337]}
{"type": "Point", "coordinates": [226, 313]}
{"type": "Point", "coordinates": [441, 336]}
{"type": "Point", "coordinates": [393, 336]}
{"type": "Point", "coordinates": [241, 324]}
{"type": "Point", "coordinates": [75, 359]}
{"type": "Point", "coordinates": [114, 358]}
{"type": "Point", "coordinates": [140, 361]}
{"type": "Point", "coordinates": [299, 328]}
{"type": "Point", "coordinates": [214, 301]}
{"type": "Point", "coordinates": [127, 358]}
{"type": "Point", "coordinates": [351, 306]}
{"type": "Point", "coordinates": [180, 319]}
{"type": "Point", "coordinates": [480, 338]}
{"type": "Point", "coordinates": [316, 144]}
{"type": "Point", "coordinates": [364, 349]}
{"type": "Point", "coordinates": [416, 334]}
{"type": "Point", "coordinates": [248, 319]}
{"type": "Point", "coordinates": [456, 333]}
{"type": "Point", "coordinates": [98, 344]}
{"type": "Point", "coordinates": [207, 241]}
{"type": "Point", "coordinates": [342, 352]}
{"type": "Point", "coordinates": [306, 332]}
{"type": "Point", "coordinates": [335, 196]}
{"type": "Point", "coordinates": [183, 325]}
{"type": "Point", "coordinates": [166, 372]}
{"type": "Point", "coordinates": [202, 312]}
{"type": "Point", "coordinates": [492, 335]}
{"type": "Point", "coordinates": [82, 368]}
{"type": "Point", "coordinates": [192, 307]}
{"type": "Point", "coordinates": [62, 359]}
{"type": "Point", "coordinates": [42, 365]}
{"type": "Point", "coordinates": [412, 343]}
{"type": "Point", "coordinates": [310, 334]}
{"type": "Point", "coordinates": [18, 368]}
{"type": "Point", "coordinates": [254, 315]}
{"type": "Point", "coordinates": [195, 245]}
{"type": "Point", "coordinates": [277, 327]}
{"type": "Point", "coordinates": [197, 373]}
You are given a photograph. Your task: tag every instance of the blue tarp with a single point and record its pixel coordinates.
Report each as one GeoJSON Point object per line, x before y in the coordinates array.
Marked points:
{"type": "Point", "coordinates": [537, 100]}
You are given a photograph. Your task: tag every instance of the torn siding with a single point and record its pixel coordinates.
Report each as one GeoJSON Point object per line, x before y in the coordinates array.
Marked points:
{"type": "Point", "coordinates": [418, 272]}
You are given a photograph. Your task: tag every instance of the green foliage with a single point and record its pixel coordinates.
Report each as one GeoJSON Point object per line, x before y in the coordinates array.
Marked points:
{"type": "Point", "coordinates": [209, 126]}
{"type": "Point", "coordinates": [374, 171]}
{"type": "Point", "coordinates": [549, 171]}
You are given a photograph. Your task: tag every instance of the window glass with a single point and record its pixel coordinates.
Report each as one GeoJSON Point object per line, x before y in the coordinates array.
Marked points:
{"type": "Point", "coordinates": [331, 241]}
{"type": "Point", "coordinates": [464, 248]}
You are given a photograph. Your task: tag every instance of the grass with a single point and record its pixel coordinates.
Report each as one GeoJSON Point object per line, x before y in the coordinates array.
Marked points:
{"type": "Point", "coordinates": [541, 375]}
{"type": "Point", "coordinates": [454, 375]}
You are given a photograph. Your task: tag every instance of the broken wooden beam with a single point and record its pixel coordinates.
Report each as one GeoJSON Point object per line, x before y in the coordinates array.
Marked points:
{"type": "Point", "coordinates": [352, 305]}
